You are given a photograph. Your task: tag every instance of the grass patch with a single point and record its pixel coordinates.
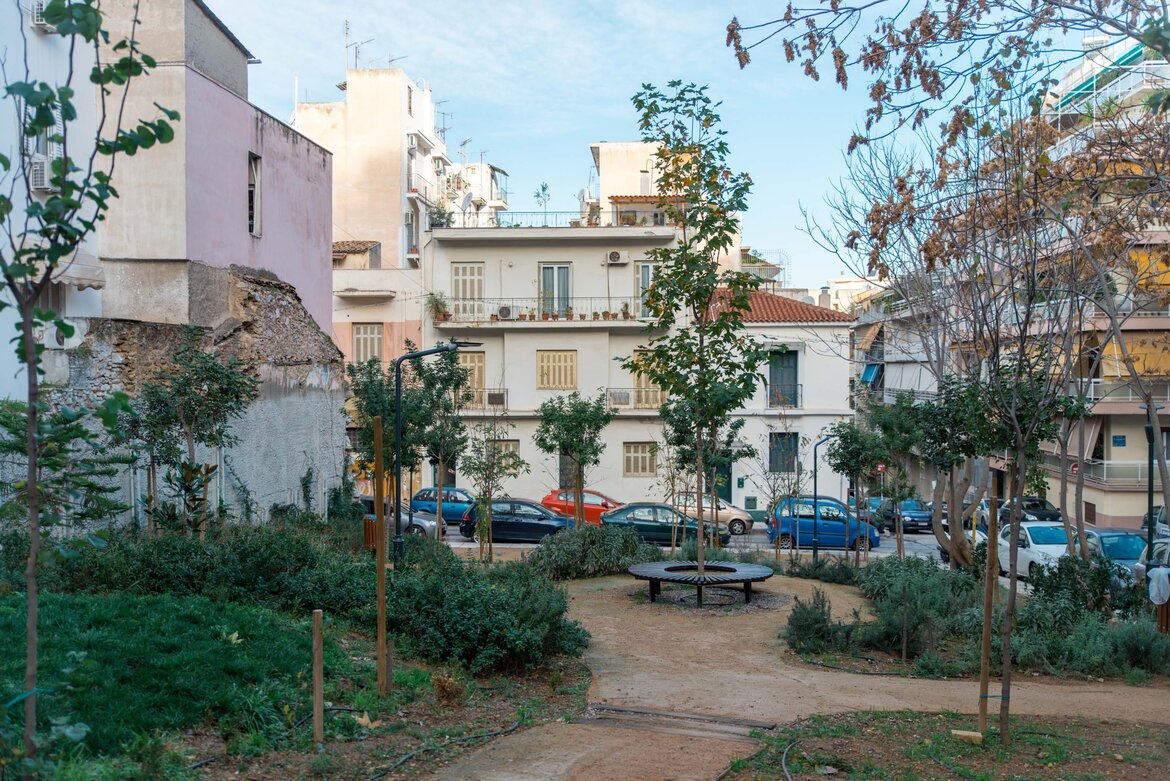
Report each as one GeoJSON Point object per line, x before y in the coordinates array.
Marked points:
{"type": "Point", "coordinates": [909, 745]}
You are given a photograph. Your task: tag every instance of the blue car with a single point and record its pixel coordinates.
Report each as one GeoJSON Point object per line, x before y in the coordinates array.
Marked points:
{"type": "Point", "coordinates": [456, 502]}
{"type": "Point", "coordinates": [916, 515]}
{"type": "Point", "coordinates": [795, 522]}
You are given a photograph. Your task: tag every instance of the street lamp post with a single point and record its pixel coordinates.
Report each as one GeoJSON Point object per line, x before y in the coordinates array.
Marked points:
{"type": "Point", "coordinates": [817, 503]}
{"type": "Point", "coordinates": [1151, 521]}
{"type": "Point", "coordinates": [454, 344]}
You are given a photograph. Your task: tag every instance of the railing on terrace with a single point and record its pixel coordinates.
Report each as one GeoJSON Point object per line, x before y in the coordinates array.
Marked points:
{"type": "Point", "coordinates": [420, 185]}
{"type": "Point", "coordinates": [1122, 391]}
{"type": "Point", "coordinates": [785, 396]}
{"type": "Point", "coordinates": [1129, 80]}
{"type": "Point", "coordinates": [635, 398]}
{"type": "Point", "coordinates": [505, 219]}
{"type": "Point", "coordinates": [486, 399]}
{"type": "Point", "coordinates": [1113, 472]}
{"type": "Point", "coordinates": [890, 395]}
{"type": "Point", "coordinates": [542, 308]}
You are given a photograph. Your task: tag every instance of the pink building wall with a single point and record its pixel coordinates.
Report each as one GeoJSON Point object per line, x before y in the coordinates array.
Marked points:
{"type": "Point", "coordinates": [296, 202]}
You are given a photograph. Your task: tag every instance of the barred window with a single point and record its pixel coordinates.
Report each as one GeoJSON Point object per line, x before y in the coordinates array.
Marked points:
{"type": "Point", "coordinates": [639, 459]}
{"type": "Point", "coordinates": [556, 369]}
{"type": "Point", "coordinates": [367, 342]}
{"type": "Point", "coordinates": [783, 451]}
{"type": "Point", "coordinates": [507, 445]}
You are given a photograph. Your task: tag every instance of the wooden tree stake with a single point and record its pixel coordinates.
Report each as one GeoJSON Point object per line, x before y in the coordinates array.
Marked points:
{"type": "Point", "coordinates": [380, 547]}
{"type": "Point", "coordinates": [318, 681]}
{"type": "Point", "coordinates": [990, 584]}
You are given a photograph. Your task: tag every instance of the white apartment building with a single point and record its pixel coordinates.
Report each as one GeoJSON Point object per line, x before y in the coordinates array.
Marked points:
{"type": "Point", "coordinates": [557, 308]}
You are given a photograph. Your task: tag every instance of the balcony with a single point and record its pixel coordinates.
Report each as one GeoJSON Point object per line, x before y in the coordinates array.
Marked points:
{"type": "Point", "coordinates": [542, 312]}
{"type": "Point", "coordinates": [1123, 391]}
{"type": "Point", "coordinates": [1121, 474]}
{"type": "Point", "coordinates": [890, 395]}
{"type": "Point", "coordinates": [506, 219]}
{"type": "Point", "coordinates": [487, 400]}
{"type": "Point", "coordinates": [367, 283]}
{"type": "Point", "coordinates": [422, 189]}
{"type": "Point", "coordinates": [649, 399]}
{"type": "Point", "coordinates": [787, 396]}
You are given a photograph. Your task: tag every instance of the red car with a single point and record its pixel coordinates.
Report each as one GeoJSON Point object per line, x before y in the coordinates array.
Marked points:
{"type": "Point", "coordinates": [595, 504]}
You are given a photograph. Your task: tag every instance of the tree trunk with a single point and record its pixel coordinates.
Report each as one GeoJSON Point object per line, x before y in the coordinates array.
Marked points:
{"type": "Point", "coordinates": [940, 487]}
{"type": "Point", "coordinates": [1064, 514]}
{"type": "Point", "coordinates": [898, 531]}
{"type": "Point", "coordinates": [699, 500]}
{"type": "Point", "coordinates": [1080, 491]}
{"type": "Point", "coordinates": [441, 525]}
{"type": "Point", "coordinates": [32, 445]}
{"type": "Point", "coordinates": [1017, 471]}
{"type": "Point", "coordinates": [579, 493]}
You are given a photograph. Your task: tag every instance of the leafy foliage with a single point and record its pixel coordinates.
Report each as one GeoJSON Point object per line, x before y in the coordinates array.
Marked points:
{"type": "Point", "coordinates": [571, 426]}
{"type": "Point", "coordinates": [811, 628]}
{"type": "Point", "coordinates": [487, 466]}
{"type": "Point", "coordinates": [589, 551]}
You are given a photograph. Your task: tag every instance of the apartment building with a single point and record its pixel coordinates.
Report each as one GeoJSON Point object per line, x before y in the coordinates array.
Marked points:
{"type": "Point", "coordinates": [557, 306]}
{"type": "Point", "coordinates": [228, 228]}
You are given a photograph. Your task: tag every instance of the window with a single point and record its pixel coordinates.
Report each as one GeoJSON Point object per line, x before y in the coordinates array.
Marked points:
{"type": "Point", "coordinates": [783, 449]}
{"type": "Point", "coordinates": [556, 369]}
{"type": "Point", "coordinates": [639, 459]}
{"type": "Point", "coordinates": [554, 289]}
{"type": "Point", "coordinates": [527, 511]}
{"type": "Point", "coordinates": [410, 101]}
{"type": "Point", "coordinates": [467, 290]}
{"type": "Point", "coordinates": [507, 446]}
{"type": "Point", "coordinates": [641, 514]}
{"type": "Point", "coordinates": [52, 299]}
{"type": "Point", "coordinates": [645, 278]}
{"type": "Point", "coordinates": [647, 395]}
{"type": "Point", "coordinates": [255, 192]}
{"type": "Point", "coordinates": [367, 342]}
{"type": "Point", "coordinates": [783, 389]}
{"type": "Point", "coordinates": [474, 363]}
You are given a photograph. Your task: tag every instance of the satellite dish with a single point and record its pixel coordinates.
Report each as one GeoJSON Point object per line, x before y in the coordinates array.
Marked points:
{"type": "Point", "coordinates": [465, 204]}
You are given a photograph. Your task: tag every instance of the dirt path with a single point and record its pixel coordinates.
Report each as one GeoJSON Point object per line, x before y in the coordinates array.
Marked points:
{"type": "Point", "coordinates": [732, 665]}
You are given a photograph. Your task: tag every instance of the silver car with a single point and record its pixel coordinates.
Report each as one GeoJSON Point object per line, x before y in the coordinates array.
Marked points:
{"type": "Point", "coordinates": [412, 522]}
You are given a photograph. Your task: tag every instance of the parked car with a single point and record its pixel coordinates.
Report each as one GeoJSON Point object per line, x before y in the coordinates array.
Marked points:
{"type": "Point", "coordinates": [869, 506]}
{"type": "Point", "coordinates": [1161, 528]}
{"type": "Point", "coordinates": [1035, 508]}
{"type": "Point", "coordinates": [456, 502]}
{"type": "Point", "coordinates": [412, 523]}
{"type": "Point", "coordinates": [657, 523]}
{"type": "Point", "coordinates": [1161, 556]}
{"type": "Point", "coordinates": [516, 520]}
{"type": "Point", "coordinates": [564, 502]}
{"type": "Point", "coordinates": [1121, 546]}
{"type": "Point", "coordinates": [1041, 543]}
{"type": "Point", "coordinates": [980, 538]}
{"type": "Point", "coordinates": [916, 516]}
{"type": "Point", "coordinates": [734, 519]}
{"type": "Point", "coordinates": [795, 522]}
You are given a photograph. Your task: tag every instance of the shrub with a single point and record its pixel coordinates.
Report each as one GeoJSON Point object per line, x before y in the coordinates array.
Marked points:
{"type": "Point", "coordinates": [590, 551]}
{"type": "Point", "coordinates": [1139, 645]}
{"type": "Point", "coordinates": [811, 628]}
{"type": "Point", "coordinates": [505, 615]}
{"type": "Point", "coordinates": [827, 569]}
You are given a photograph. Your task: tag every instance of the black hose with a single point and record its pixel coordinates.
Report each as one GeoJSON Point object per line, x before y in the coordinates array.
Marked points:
{"type": "Point", "coordinates": [282, 736]}
{"type": "Point", "coordinates": [784, 760]}
{"type": "Point", "coordinates": [828, 666]}
{"type": "Point", "coordinates": [411, 755]}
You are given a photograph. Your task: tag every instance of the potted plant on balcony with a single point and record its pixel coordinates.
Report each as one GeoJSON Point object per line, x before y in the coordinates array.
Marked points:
{"type": "Point", "coordinates": [569, 313]}
{"type": "Point", "coordinates": [597, 315]}
{"type": "Point", "coordinates": [606, 315]}
{"type": "Point", "coordinates": [544, 314]}
{"type": "Point", "coordinates": [580, 315]}
{"type": "Point", "coordinates": [626, 310]}
{"type": "Point", "coordinates": [523, 317]}
{"type": "Point", "coordinates": [437, 307]}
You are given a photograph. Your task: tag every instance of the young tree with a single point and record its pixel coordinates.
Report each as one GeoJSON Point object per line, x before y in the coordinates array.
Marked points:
{"type": "Point", "coordinates": [194, 403]}
{"type": "Point", "coordinates": [488, 465]}
{"type": "Point", "coordinates": [700, 350]}
{"type": "Point", "coordinates": [542, 197]}
{"type": "Point", "coordinates": [777, 474]}
{"type": "Point", "coordinates": [374, 396]}
{"type": "Point", "coordinates": [855, 451]}
{"type": "Point", "coordinates": [443, 394]}
{"type": "Point", "coordinates": [39, 234]}
{"type": "Point", "coordinates": [571, 426]}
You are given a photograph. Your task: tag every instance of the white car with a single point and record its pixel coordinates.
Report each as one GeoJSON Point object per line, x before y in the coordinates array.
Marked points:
{"type": "Point", "coordinates": [980, 537]}
{"type": "Point", "coordinates": [1041, 544]}
{"type": "Point", "coordinates": [1161, 556]}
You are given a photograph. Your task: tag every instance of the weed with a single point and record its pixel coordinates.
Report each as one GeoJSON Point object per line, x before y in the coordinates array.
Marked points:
{"type": "Point", "coordinates": [448, 688]}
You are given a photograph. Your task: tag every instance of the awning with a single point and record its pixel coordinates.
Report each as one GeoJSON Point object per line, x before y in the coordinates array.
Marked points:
{"type": "Point", "coordinates": [1092, 427]}
{"type": "Point", "coordinates": [83, 271]}
{"type": "Point", "coordinates": [870, 373]}
{"type": "Point", "coordinates": [867, 335]}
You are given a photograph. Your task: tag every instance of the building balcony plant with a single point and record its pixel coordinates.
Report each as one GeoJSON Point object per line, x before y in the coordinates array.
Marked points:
{"type": "Point", "coordinates": [437, 307]}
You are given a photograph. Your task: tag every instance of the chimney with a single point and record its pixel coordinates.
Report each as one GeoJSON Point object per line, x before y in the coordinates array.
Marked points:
{"type": "Point", "coordinates": [825, 299]}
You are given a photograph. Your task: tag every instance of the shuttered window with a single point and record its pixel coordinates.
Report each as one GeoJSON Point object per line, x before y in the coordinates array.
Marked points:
{"type": "Point", "coordinates": [467, 290]}
{"type": "Point", "coordinates": [367, 342]}
{"type": "Point", "coordinates": [647, 395]}
{"type": "Point", "coordinates": [556, 369]}
{"type": "Point", "coordinates": [639, 459]}
{"type": "Point", "coordinates": [474, 363]}
{"type": "Point", "coordinates": [507, 446]}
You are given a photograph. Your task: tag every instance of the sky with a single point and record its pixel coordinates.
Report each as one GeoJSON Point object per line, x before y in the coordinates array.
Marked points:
{"type": "Point", "coordinates": [534, 82]}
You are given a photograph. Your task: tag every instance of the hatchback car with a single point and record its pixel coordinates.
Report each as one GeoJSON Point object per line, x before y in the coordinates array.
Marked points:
{"type": "Point", "coordinates": [1041, 543]}
{"type": "Point", "coordinates": [659, 523]}
{"type": "Point", "coordinates": [1121, 546]}
{"type": "Point", "coordinates": [516, 520]}
{"type": "Point", "coordinates": [916, 516]}
{"type": "Point", "coordinates": [796, 523]}
{"type": "Point", "coordinates": [422, 524]}
{"type": "Point", "coordinates": [734, 519]}
{"type": "Point", "coordinates": [565, 503]}
{"type": "Point", "coordinates": [456, 502]}
{"type": "Point", "coordinates": [980, 539]}
{"type": "Point", "coordinates": [1035, 508]}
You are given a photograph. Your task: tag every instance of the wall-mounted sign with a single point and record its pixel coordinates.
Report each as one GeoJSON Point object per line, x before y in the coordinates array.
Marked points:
{"type": "Point", "coordinates": [1119, 440]}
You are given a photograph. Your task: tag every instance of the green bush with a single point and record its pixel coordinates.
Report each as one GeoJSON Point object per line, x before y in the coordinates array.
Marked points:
{"type": "Point", "coordinates": [590, 551]}
{"type": "Point", "coordinates": [827, 569]}
{"type": "Point", "coordinates": [811, 628]}
{"type": "Point", "coordinates": [129, 666]}
{"type": "Point", "coordinates": [500, 616]}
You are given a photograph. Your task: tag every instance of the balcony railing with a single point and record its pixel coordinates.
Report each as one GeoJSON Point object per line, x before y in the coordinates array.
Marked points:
{"type": "Point", "coordinates": [1118, 473]}
{"type": "Point", "coordinates": [635, 398]}
{"type": "Point", "coordinates": [423, 188]}
{"type": "Point", "coordinates": [505, 219]}
{"type": "Point", "coordinates": [785, 396]}
{"type": "Point", "coordinates": [542, 309]}
{"type": "Point", "coordinates": [890, 395]}
{"type": "Point", "coordinates": [480, 399]}
{"type": "Point", "coordinates": [1122, 391]}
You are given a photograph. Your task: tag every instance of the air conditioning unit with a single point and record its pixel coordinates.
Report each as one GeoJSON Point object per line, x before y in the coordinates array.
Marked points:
{"type": "Point", "coordinates": [617, 257]}
{"type": "Point", "coordinates": [36, 13]}
{"type": "Point", "coordinates": [39, 175]}
{"type": "Point", "coordinates": [619, 398]}
{"type": "Point", "coordinates": [411, 143]}
{"type": "Point", "coordinates": [497, 398]}
{"type": "Point", "coordinates": [507, 312]}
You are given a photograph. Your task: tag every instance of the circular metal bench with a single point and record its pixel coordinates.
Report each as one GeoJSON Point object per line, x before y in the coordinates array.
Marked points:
{"type": "Point", "coordinates": [715, 573]}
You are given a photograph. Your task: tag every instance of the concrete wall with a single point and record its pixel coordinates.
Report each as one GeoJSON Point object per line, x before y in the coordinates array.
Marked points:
{"type": "Point", "coordinates": [620, 166]}
{"type": "Point", "coordinates": [209, 50]}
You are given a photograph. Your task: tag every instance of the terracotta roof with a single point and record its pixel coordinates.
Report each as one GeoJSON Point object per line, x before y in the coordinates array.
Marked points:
{"type": "Point", "coordinates": [771, 308]}
{"type": "Point", "coordinates": [353, 247]}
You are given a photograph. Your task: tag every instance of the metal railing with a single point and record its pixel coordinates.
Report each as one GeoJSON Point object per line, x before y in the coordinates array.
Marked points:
{"type": "Point", "coordinates": [1129, 81]}
{"type": "Point", "coordinates": [635, 398]}
{"type": "Point", "coordinates": [890, 395]}
{"type": "Point", "coordinates": [420, 185]}
{"type": "Point", "coordinates": [785, 396]}
{"type": "Point", "coordinates": [1121, 391]}
{"type": "Point", "coordinates": [480, 399]}
{"type": "Point", "coordinates": [542, 309]}
{"type": "Point", "coordinates": [542, 219]}
{"type": "Point", "coordinates": [1112, 472]}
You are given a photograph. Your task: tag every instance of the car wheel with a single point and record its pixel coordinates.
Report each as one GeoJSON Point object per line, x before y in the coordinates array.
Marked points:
{"type": "Point", "coordinates": [415, 529]}
{"type": "Point", "coordinates": [475, 538]}
{"type": "Point", "coordinates": [861, 544]}
{"type": "Point", "coordinates": [785, 542]}
{"type": "Point", "coordinates": [737, 527]}
{"type": "Point", "coordinates": [1031, 571]}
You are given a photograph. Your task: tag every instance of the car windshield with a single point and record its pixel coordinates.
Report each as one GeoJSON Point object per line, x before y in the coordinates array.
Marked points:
{"type": "Point", "coordinates": [1038, 504]}
{"type": "Point", "coordinates": [912, 504]}
{"type": "Point", "coordinates": [1122, 546]}
{"type": "Point", "coordinates": [1048, 535]}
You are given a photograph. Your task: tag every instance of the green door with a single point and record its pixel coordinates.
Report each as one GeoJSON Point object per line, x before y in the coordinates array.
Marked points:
{"type": "Point", "coordinates": [723, 483]}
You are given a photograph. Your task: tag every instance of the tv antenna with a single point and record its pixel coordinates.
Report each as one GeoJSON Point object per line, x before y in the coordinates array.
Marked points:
{"type": "Point", "coordinates": [463, 151]}
{"type": "Point", "coordinates": [390, 59]}
{"type": "Point", "coordinates": [355, 45]}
